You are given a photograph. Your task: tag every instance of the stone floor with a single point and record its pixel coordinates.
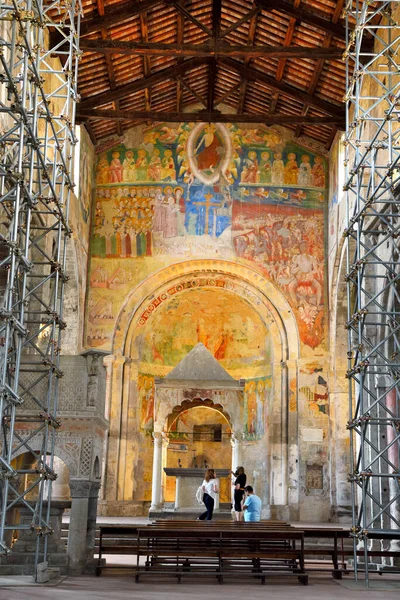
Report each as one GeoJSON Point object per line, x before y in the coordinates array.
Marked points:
{"type": "Point", "coordinates": [118, 587]}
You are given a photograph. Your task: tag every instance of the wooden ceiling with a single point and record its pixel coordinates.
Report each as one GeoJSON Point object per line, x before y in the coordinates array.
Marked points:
{"type": "Point", "coordinates": [263, 61]}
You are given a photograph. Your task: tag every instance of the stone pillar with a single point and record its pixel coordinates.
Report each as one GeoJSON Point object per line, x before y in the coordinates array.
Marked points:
{"type": "Point", "coordinates": [165, 444]}
{"type": "Point", "coordinates": [78, 525]}
{"type": "Point", "coordinates": [178, 482]}
{"type": "Point", "coordinates": [157, 472]}
{"type": "Point", "coordinates": [92, 516]}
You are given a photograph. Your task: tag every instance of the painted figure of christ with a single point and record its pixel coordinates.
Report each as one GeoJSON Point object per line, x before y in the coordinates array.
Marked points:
{"type": "Point", "coordinates": [209, 150]}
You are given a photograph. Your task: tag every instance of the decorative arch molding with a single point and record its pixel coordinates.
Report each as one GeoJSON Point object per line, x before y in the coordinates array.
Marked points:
{"type": "Point", "coordinates": [264, 297]}
{"type": "Point", "coordinates": [70, 456]}
{"type": "Point", "coordinates": [197, 402]}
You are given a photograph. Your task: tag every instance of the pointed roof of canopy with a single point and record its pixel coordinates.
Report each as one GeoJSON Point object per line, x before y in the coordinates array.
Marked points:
{"type": "Point", "coordinates": [200, 365]}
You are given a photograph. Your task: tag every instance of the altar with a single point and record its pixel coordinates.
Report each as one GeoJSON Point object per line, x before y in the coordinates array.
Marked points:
{"type": "Point", "coordinates": [187, 483]}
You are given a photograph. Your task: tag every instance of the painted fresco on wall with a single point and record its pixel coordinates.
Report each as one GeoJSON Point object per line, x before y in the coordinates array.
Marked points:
{"type": "Point", "coordinates": [255, 396]}
{"type": "Point", "coordinates": [227, 325]}
{"type": "Point", "coordinates": [146, 402]}
{"type": "Point", "coordinates": [214, 191]}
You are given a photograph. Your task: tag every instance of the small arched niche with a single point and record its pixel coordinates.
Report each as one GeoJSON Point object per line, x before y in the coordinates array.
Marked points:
{"type": "Point", "coordinates": [199, 437]}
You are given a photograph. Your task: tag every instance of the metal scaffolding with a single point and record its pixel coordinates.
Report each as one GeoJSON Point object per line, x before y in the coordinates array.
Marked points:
{"type": "Point", "coordinates": [373, 274]}
{"type": "Point", "coordinates": [37, 110]}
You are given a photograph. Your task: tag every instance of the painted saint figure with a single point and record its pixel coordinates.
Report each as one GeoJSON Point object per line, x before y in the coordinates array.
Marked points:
{"type": "Point", "coordinates": [318, 172]}
{"type": "Point", "coordinates": [304, 177]}
{"type": "Point", "coordinates": [154, 169]}
{"type": "Point", "coordinates": [265, 168]}
{"type": "Point", "coordinates": [115, 169]}
{"type": "Point", "coordinates": [128, 167]}
{"type": "Point", "coordinates": [291, 170]}
{"type": "Point", "coordinates": [278, 169]}
{"type": "Point", "coordinates": [250, 171]}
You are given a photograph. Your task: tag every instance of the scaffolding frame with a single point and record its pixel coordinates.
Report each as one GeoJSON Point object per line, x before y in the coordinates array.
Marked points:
{"type": "Point", "coordinates": [372, 237]}
{"type": "Point", "coordinates": [38, 94]}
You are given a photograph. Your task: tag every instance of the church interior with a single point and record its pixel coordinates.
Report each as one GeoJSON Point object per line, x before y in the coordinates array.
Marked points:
{"type": "Point", "coordinates": [199, 249]}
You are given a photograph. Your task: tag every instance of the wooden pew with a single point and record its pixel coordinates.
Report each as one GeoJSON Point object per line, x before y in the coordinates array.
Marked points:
{"type": "Point", "coordinates": [220, 551]}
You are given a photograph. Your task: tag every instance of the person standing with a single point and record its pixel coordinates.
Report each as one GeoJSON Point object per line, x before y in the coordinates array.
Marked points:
{"type": "Point", "coordinates": [210, 490]}
{"type": "Point", "coordinates": [239, 484]}
{"type": "Point", "coordinates": [251, 506]}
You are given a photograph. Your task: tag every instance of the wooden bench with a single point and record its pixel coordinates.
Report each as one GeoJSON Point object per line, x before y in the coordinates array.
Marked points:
{"type": "Point", "coordinates": [116, 539]}
{"type": "Point", "coordinates": [219, 552]}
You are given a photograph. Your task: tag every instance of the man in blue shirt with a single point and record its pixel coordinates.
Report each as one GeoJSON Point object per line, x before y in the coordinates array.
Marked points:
{"type": "Point", "coordinates": [252, 505]}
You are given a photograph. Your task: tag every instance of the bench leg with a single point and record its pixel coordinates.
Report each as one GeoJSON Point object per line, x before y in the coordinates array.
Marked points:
{"type": "Point", "coordinates": [303, 579]}
{"type": "Point", "coordinates": [337, 574]}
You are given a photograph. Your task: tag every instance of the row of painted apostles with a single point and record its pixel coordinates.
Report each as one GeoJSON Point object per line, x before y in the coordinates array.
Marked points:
{"type": "Point", "coordinates": [254, 169]}
{"type": "Point", "coordinates": [134, 224]}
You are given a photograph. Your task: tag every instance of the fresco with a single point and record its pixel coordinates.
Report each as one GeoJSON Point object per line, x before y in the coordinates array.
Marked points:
{"type": "Point", "coordinates": [256, 395]}
{"type": "Point", "coordinates": [249, 195]}
{"type": "Point", "coordinates": [227, 325]}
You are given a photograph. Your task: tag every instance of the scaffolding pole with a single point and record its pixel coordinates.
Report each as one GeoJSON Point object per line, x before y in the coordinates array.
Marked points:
{"type": "Point", "coordinates": [373, 273]}
{"type": "Point", "coordinates": [38, 93]}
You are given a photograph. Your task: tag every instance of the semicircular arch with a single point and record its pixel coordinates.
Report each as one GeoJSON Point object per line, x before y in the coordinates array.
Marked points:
{"type": "Point", "coordinates": [260, 293]}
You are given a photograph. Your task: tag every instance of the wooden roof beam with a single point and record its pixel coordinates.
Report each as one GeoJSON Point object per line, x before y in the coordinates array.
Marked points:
{"type": "Point", "coordinates": [203, 116]}
{"type": "Point", "coordinates": [231, 91]}
{"type": "Point", "coordinates": [253, 12]}
{"type": "Point", "coordinates": [180, 8]}
{"type": "Point", "coordinates": [180, 33]}
{"type": "Point", "coordinates": [212, 69]}
{"type": "Point", "coordinates": [192, 91]}
{"type": "Point", "coordinates": [250, 39]}
{"type": "Point", "coordinates": [320, 64]}
{"type": "Point", "coordinates": [117, 14]}
{"type": "Point", "coordinates": [283, 88]}
{"type": "Point", "coordinates": [109, 63]}
{"type": "Point", "coordinates": [303, 15]}
{"type": "Point", "coordinates": [141, 84]}
{"type": "Point", "coordinates": [207, 49]}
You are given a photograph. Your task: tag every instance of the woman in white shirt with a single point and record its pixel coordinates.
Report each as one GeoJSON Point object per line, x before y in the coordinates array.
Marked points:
{"type": "Point", "coordinates": [210, 490]}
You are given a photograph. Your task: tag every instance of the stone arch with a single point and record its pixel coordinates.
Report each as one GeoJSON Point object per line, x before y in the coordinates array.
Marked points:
{"type": "Point", "coordinates": [59, 450]}
{"type": "Point", "coordinates": [259, 292]}
{"type": "Point", "coordinates": [199, 402]}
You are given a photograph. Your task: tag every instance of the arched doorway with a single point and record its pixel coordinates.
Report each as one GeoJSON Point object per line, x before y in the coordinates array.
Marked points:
{"type": "Point", "coordinates": [199, 437]}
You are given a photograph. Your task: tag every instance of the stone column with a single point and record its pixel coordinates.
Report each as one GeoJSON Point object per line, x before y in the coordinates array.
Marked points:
{"type": "Point", "coordinates": [157, 471]}
{"type": "Point", "coordinates": [92, 516]}
{"type": "Point", "coordinates": [165, 444]}
{"type": "Point", "coordinates": [78, 525]}
{"type": "Point", "coordinates": [178, 482]}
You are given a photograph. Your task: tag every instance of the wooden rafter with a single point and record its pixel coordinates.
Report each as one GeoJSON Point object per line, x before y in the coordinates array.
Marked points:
{"type": "Point", "coordinates": [202, 116]}
{"type": "Point", "coordinates": [212, 69]}
{"type": "Point", "coordinates": [146, 59]}
{"type": "Point", "coordinates": [141, 84]}
{"type": "Point", "coordinates": [207, 49]}
{"type": "Point", "coordinates": [180, 34]}
{"type": "Point", "coordinates": [252, 13]}
{"type": "Point", "coordinates": [320, 64]}
{"type": "Point", "coordinates": [117, 14]}
{"type": "Point", "coordinates": [303, 15]}
{"type": "Point", "coordinates": [192, 91]}
{"type": "Point", "coordinates": [283, 88]}
{"type": "Point", "coordinates": [180, 8]}
{"type": "Point", "coordinates": [288, 40]}
{"type": "Point", "coordinates": [250, 39]}
{"type": "Point", "coordinates": [225, 96]}
{"type": "Point", "coordinates": [109, 63]}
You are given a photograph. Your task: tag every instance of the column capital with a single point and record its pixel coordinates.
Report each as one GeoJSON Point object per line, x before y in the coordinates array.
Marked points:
{"type": "Point", "coordinates": [157, 436]}
{"type": "Point", "coordinates": [94, 489]}
{"type": "Point", "coordinates": [80, 488]}
{"type": "Point", "coordinates": [237, 437]}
